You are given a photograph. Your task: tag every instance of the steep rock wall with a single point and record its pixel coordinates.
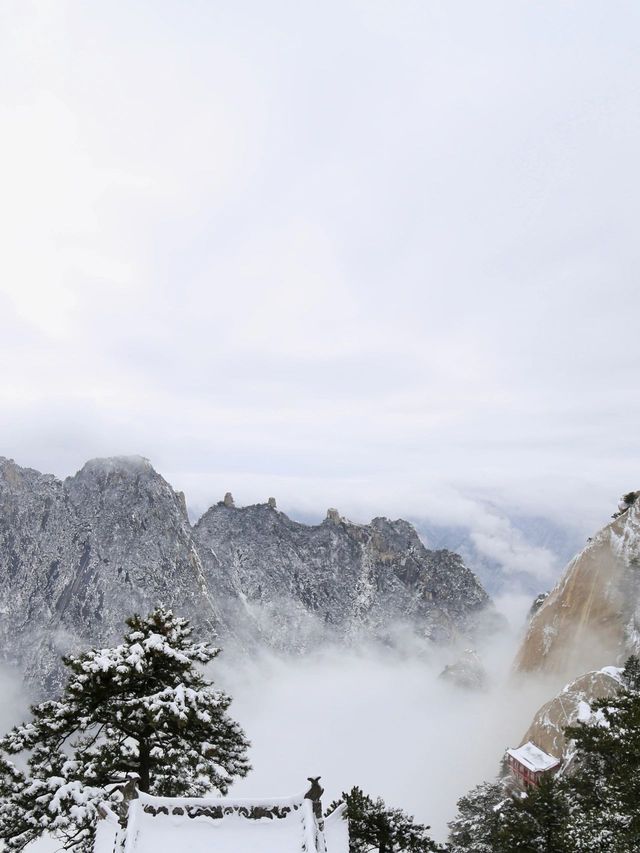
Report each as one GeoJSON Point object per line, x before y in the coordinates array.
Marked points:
{"type": "Point", "coordinates": [592, 616]}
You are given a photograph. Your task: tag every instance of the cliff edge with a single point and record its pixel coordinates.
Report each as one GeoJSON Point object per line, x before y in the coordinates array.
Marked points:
{"type": "Point", "coordinates": [592, 617]}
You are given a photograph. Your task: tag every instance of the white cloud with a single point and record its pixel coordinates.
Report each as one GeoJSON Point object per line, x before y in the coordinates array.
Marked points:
{"type": "Point", "coordinates": [381, 721]}
{"type": "Point", "coordinates": [509, 548]}
{"type": "Point", "coordinates": [387, 264]}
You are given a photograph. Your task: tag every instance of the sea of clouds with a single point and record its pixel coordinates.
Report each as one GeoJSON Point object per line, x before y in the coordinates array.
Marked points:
{"type": "Point", "coordinates": [380, 719]}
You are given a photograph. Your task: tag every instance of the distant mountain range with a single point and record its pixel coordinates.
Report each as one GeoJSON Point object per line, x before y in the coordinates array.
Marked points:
{"type": "Point", "coordinates": [533, 533]}
{"type": "Point", "coordinates": [77, 556]}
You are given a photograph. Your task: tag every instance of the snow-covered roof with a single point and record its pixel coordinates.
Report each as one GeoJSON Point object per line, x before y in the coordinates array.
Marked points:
{"type": "Point", "coordinates": [336, 831]}
{"type": "Point", "coordinates": [223, 825]}
{"type": "Point", "coordinates": [533, 757]}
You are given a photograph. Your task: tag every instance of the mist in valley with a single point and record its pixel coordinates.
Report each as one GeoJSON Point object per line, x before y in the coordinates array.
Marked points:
{"type": "Point", "coordinates": [365, 715]}
{"type": "Point", "coordinates": [382, 719]}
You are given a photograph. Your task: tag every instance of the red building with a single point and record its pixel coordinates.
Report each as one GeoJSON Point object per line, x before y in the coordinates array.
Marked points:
{"type": "Point", "coordinates": [528, 763]}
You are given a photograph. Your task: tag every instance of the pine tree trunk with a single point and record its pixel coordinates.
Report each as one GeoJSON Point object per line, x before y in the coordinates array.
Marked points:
{"type": "Point", "coordinates": [143, 766]}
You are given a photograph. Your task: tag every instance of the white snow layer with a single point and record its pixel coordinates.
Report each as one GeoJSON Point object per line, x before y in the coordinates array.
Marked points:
{"type": "Point", "coordinates": [336, 831]}
{"type": "Point", "coordinates": [232, 833]}
{"type": "Point", "coordinates": [533, 757]}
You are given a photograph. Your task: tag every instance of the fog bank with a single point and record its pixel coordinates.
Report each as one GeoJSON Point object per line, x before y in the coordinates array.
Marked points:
{"type": "Point", "coordinates": [369, 716]}
{"type": "Point", "coordinates": [382, 720]}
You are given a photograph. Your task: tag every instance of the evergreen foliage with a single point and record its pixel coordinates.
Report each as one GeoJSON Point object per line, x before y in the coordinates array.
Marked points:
{"type": "Point", "coordinates": [535, 822]}
{"type": "Point", "coordinates": [491, 819]}
{"type": "Point", "coordinates": [592, 807]}
{"type": "Point", "coordinates": [537, 603]}
{"type": "Point", "coordinates": [373, 826]}
{"type": "Point", "coordinates": [140, 708]}
{"type": "Point", "coordinates": [626, 501]}
{"type": "Point", "coordinates": [476, 825]}
{"type": "Point", "coordinates": [605, 786]}
{"type": "Point", "coordinates": [631, 674]}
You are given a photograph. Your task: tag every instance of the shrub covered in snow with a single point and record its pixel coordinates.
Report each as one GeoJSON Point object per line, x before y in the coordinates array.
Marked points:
{"type": "Point", "coordinates": [625, 502]}
{"type": "Point", "coordinates": [140, 708]}
{"type": "Point", "coordinates": [373, 826]}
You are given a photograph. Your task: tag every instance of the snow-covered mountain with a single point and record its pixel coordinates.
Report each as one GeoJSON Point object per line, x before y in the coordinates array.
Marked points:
{"type": "Point", "coordinates": [77, 556]}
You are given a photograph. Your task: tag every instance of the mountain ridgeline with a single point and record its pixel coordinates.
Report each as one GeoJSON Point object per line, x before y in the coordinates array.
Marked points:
{"type": "Point", "coordinates": [77, 556]}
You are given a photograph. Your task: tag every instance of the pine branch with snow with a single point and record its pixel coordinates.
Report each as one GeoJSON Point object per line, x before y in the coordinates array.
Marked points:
{"type": "Point", "coordinates": [374, 826]}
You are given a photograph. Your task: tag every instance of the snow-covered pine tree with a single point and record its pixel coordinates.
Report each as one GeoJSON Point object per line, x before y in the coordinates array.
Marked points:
{"type": "Point", "coordinates": [535, 821]}
{"type": "Point", "coordinates": [631, 674]}
{"type": "Point", "coordinates": [605, 787]}
{"type": "Point", "coordinates": [373, 826]}
{"type": "Point", "coordinates": [140, 708]}
{"type": "Point", "coordinates": [476, 825]}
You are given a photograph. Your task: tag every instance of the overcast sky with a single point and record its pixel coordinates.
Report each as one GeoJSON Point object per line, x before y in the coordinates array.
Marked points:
{"type": "Point", "coordinates": [382, 256]}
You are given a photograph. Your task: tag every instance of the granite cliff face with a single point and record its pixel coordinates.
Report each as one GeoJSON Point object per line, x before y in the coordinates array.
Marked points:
{"type": "Point", "coordinates": [338, 576]}
{"type": "Point", "coordinates": [77, 556]}
{"type": "Point", "coordinates": [591, 618]}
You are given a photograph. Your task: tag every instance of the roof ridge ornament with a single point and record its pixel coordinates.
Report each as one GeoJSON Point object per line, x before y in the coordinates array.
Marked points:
{"type": "Point", "coordinates": [130, 791]}
{"type": "Point", "coordinates": [314, 794]}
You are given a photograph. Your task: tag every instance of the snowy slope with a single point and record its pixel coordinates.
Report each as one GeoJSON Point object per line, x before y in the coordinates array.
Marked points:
{"type": "Point", "coordinates": [221, 824]}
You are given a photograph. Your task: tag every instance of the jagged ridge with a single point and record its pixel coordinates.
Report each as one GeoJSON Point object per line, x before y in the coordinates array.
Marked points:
{"type": "Point", "coordinates": [77, 556]}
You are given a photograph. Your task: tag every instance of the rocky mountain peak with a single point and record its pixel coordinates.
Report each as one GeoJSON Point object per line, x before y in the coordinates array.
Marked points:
{"type": "Point", "coordinates": [337, 576]}
{"type": "Point", "coordinates": [333, 516]}
{"type": "Point", "coordinates": [124, 483]}
{"type": "Point", "coordinates": [14, 477]}
{"type": "Point", "coordinates": [78, 556]}
{"type": "Point", "coordinates": [117, 465]}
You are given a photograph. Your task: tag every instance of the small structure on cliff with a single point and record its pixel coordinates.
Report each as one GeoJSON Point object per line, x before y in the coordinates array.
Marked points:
{"type": "Point", "coordinates": [528, 763]}
{"type": "Point", "coordinates": [150, 824]}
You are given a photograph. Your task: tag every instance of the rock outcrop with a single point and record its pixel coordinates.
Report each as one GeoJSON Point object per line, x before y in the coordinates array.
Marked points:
{"type": "Point", "coordinates": [571, 705]}
{"type": "Point", "coordinates": [467, 672]}
{"type": "Point", "coordinates": [77, 556]}
{"type": "Point", "coordinates": [338, 578]}
{"type": "Point", "coordinates": [592, 617]}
